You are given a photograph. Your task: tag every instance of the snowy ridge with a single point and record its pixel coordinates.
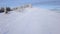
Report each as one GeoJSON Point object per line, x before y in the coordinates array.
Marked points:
{"type": "Point", "coordinates": [30, 21]}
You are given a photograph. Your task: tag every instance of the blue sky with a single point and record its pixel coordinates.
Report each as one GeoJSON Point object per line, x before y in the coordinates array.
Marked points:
{"type": "Point", "coordinates": [13, 3]}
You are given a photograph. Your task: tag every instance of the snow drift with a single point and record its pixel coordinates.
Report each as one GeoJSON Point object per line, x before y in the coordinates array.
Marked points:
{"type": "Point", "coordinates": [30, 21]}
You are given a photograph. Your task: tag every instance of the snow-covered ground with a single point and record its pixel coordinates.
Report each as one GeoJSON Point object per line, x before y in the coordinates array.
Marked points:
{"type": "Point", "coordinates": [30, 21]}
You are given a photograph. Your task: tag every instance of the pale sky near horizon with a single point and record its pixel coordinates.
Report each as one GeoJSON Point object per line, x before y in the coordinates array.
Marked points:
{"type": "Point", "coordinates": [20, 2]}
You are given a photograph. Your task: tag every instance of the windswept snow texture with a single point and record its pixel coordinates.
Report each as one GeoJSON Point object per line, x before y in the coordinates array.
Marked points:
{"type": "Point", "coordinates": [30, 21]}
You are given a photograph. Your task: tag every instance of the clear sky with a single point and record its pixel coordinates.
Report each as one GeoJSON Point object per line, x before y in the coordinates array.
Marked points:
{"type": "Point", "coordinates": [12, 3]}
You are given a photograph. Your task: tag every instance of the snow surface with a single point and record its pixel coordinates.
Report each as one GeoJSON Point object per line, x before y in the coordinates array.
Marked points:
{"type": "Point", "coordinates": [30, 21]}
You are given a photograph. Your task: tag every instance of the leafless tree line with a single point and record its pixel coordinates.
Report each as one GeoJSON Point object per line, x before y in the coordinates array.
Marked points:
{"type": "Point", "coordinates": [8, 9]}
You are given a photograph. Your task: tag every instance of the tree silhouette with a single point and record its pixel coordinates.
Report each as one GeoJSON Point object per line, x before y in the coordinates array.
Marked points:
{"type": "Point", "coordinates": [2, 10]}
{"type": "Point", "coordinates": [8, 9]}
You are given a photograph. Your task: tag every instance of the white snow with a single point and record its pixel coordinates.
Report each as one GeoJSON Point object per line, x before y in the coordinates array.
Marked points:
{"type": "Point", "coordinates": [30, 21]}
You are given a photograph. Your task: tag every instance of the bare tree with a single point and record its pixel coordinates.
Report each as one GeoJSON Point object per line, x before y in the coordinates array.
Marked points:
{"type": "Point", "coordinates": [8, 9]}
